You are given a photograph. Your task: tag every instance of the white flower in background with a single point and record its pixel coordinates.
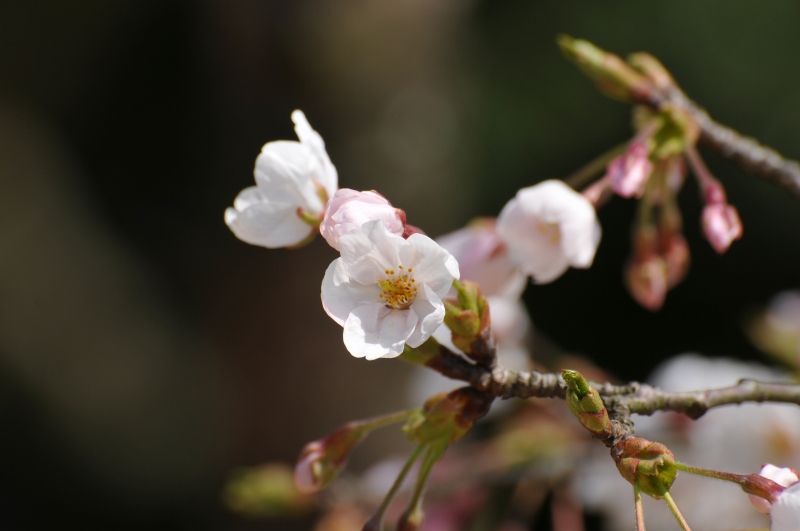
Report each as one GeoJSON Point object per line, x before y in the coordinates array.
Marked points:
{"type": "Point", "coordinates": [782, 476]}
{"type": "Point", "coordinates": [349, 210]}
{"type": "Point", "coordinates": [387, 291]}
{"type": "Point", "coordinates": [549, 227]}
{"type": "Point", "coordinates": [483, 258]}
{"type": "Point", "coordinates": [293, 182]}
{"type": "Point", "coordinates": [785, 512]}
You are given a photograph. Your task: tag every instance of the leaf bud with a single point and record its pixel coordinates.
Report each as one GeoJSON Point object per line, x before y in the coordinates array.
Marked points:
{"type": "Point", "coordinates": [586, 404]}
{"type": "Point", "coordinates": [650, 464]}
{"type": "Point", "coordinates": [446, 417]}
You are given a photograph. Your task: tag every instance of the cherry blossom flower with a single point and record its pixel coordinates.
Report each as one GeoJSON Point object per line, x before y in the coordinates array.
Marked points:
{"type": "Point", "coordinates": [349, 210]}
{"type": "Point", "coordinates": [782, 476]}
{"type": "Point", "coordinates": [629, 172]}
{"type": "Point", "coordinates": [483, 258]}
{"type": "Point", "coordinates": [293, 182]}
{"type": "Point", "coordinates": [549, 227]}
{"type": "Point", "coordinates": [721, 225]}
{"type": "Point", "coordinates": [387, 291]}
{"type": "Point", "coordinates": [785, 513]}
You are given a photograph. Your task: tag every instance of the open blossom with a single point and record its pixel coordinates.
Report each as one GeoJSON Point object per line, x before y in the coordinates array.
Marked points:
{"type": "Point", "coordinates": [782, 476]}
{"type": "Point", "coordinates": [483, 258]}
{"type": "Point", "coordinates": [349, 210]}
{"type": "Point", "coordinates": [629, 172]}
{"type": "Point", "coordinates": [785, 513]}
{"type": "Point", "coordinates": [387, 291]}
{"type": "Point", "coordinates": [721, 225]}
{"type": "Point", "coordinates": [293, 182]}
{"type": "Point", "coordinates": [549, 227]}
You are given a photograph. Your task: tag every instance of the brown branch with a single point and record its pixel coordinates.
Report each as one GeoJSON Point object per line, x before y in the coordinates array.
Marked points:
{"type": "Point", "coordinates": [620, 400]}
{"type": "Point", "coordinates": [745, 152]}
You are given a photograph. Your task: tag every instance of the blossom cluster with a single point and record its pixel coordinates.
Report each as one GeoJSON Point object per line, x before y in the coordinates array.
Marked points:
{"type": "Point", "coordinates": [387, 288]}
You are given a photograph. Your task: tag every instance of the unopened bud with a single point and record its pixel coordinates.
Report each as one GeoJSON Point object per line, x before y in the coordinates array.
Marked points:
{"type": "Point", "coordinates": [469, 320]}
{"type": "Point", "coordinates": [675, 252]}
{"type": "Point", "coordinates": [586, 404]}
{"type": "Point", "coordinates": [264, 491]}
{"type": "Point", "coordinates": [321, 461]}
{"type": "Point", "coordinates": [609, 72]}
{"type": "Point", "coordinates": [652, 67]}
{"type": "Point", "coordinates": [446, 417]}
{"type": "Point", "coordinates": [629, 172]}
{"type": "Point", "coordinates": [650, 464]}
{"type": "Point", "coordinates": [721, 225]}
{"type": "Point", "coordinates": [411, 520]}
{"type": "Point", "coordinates": [783, 477]}
{"type": "Point", "coordinates": [647, 281]}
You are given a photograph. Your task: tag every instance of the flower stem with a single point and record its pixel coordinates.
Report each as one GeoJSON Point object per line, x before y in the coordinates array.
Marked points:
{"type": "Point", "coordinates": [433, 454]}
{"type": "Point", "coordinates": [750, 483]}
{"type": "Point", "coordinates": [594, 167]}
{"type": "Point", "coordinates": [672, 506]}
{"type": "Point", "coordinates": [376, 522]}
{"type": "Point", "coordinates": [386, 420]}
{"type": "Point", "coordinates": [637, 507]}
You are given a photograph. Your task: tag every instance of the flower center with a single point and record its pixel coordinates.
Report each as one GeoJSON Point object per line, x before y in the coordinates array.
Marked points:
{"type": "Point", "coordinates": [399, 289]}
{"type": "Point", "coordinates": [550, 230]}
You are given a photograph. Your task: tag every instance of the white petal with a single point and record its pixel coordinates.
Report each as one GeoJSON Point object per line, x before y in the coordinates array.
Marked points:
{"type": "Point", "coordinates": [375, 331]}
{"type": "Point", "coordinates": [785, 512]}
{"type": "Point", "coordinates": [432, 263]}
{"type": "Point", "coordinates": [368, 253]}
{"type": "Point", "coordinates": [264, 223]}
{"type": "Point", "coordinates": [286, 171]}
{"type": "Point", "coordinates": [430, 310]}
{"type": "Point", "coordinates": [340, 295]}
{"type": "Point", "coordinates": [308, 137]}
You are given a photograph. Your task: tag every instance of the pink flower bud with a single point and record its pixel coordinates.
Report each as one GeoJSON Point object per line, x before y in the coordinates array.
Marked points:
{"type": "Point", "coordinates": [321, 461]}
{"type": "Point", "coordinates": [629, 172]}
{"type": "Point", "coordinates": [647, 281]}
{"type": "Point", "coordinates": [349, 209]}
{"type": "Point", "coordinates": [675, 252]}
{"type": "Point", "coordinates": [782, 476]}
{"type": "Point", "coordinates": [721, 225]}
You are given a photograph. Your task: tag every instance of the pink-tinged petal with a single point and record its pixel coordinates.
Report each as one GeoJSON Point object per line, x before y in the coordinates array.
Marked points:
{"type": "Point", "coordinates": [483, 258]}
{"type": "Point", "coordinates": [308, 137]}
{"type": "Point", "coordinates": [259, 222]}
{"type": "Point", "coordinates": [430, 311]}
{"type": "Point", "coordinates": [431, 263]}
{"type": "Point", "coordinates": [348, 210]}
{"type": "Point", "coordinates": [375, 331]}
{"type": "Point", "coordinates": [785, 512]}
{"type": "Point", "coordinates": [629, 172]}
{"type": "Point", "coordinates": [340, 295]}
{"type": "Point", "coordinates": [370, 252]}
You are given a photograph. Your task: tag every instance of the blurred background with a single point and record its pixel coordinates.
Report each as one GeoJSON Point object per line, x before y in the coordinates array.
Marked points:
{"type": "Point", "coordinates": [145, 351]}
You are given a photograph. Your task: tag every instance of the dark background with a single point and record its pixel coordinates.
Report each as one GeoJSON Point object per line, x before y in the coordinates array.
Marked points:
{"type": "Point", "coordinates": [145, 351]}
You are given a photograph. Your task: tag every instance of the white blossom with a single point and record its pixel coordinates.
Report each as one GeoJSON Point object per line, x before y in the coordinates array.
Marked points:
{"type": "Point", "coordinates": [785, 512]}
{"type": "Point", "coordinates": [349, 209]}
{"type": "Point", "coordinates": [549, 227]}
{"type": "Point", "coordinates": [387, 291]}
{"type": "Point", "coordinates": [293, 181]}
